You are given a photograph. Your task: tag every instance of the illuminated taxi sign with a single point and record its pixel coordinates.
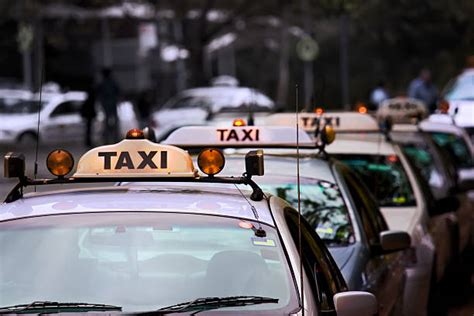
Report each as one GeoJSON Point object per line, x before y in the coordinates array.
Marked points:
{"type": "Point", "coordinates": [402, 110]}
{"type": "Point", "coordinates": [341, 122]}
{"type": "Point", "coordinates": [241, 136]}
{"type": "Point", "coordinates": [135, 158]}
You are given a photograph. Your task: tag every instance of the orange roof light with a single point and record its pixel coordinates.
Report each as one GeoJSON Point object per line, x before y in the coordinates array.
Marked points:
{"type": "Point", "coordinates": [211, 161]}
{"type": "Point", "coordinates": [319, 111]}
{"type": "Point", "coordinates": [443, 106]}
{"type": "Point", "coordinates": [239, 122]}
{"type": "Point", "coordinates": [60, 162]}
{"type": "Point", "coordinates": [361, 108]}
{"type": "Point", "coordinates": [135, 133]}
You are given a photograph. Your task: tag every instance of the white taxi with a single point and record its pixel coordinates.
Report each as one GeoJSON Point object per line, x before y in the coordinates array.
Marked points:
{"type": "Point", "coordinates": [392, 180]}
{"type": "Point", "coordinates": [339, 208]}
{"type": "Point", "coordinates": [186, 243]}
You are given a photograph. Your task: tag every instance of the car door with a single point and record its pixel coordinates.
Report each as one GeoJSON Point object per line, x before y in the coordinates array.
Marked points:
{"type": "Point", "coordinates": [64, 122]}
{"type": "Point", "coordinates": [384, 273]}
{"type": "Point", "coordinates": [323, 273]}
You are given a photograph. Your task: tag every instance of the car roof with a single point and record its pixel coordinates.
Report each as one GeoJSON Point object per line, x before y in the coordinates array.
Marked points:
{"type": "Point", "coordinates": [282, 162]}
{"type": "Point", "coordinates": [433, 124]}
{"type": "Point", "coordinates": [220, 200]}
{"type": "Point", "coordinates": [361, 144]}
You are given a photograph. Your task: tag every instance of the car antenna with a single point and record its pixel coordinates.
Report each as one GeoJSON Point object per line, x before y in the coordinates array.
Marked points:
{"type": "Point", "coordinates": [298, 188]}
{"type": "Point", "coordinates": [35, 172]}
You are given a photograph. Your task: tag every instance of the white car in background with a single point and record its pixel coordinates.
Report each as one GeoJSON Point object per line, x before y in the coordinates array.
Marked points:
{"type": "Point", "coordinates": [459, 93]}
{"type": "Point", "coordinates": [60, 117]}
{"type": "Point", "coordinates": [201, 105]}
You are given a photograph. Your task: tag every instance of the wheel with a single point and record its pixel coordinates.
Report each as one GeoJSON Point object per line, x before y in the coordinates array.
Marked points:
{"type": "Point", "coordinates": [27, 138]}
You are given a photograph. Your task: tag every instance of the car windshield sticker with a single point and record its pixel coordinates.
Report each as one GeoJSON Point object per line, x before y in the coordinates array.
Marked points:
{"type": "Point", "coordinates": [265, 242]}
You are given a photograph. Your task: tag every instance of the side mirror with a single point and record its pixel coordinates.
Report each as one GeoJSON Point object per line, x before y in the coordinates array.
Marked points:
{"type": "Point", "coordinates": [355, 303]}
{"type": "Point", "coordinates": [465, 181]}
{"type": "Point", "coordinates": [254, 163]}
{"type": "Point", "coordinates": [445, 205]}
{"type": "Point", "coordinates": [394, 240]}
{"type": "Point", "coordinates": [14, 165]}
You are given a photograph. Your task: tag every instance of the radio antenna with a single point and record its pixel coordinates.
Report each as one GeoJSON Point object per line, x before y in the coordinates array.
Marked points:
{"type": "Point", "coordinates": [298, 188]}
{"type": "Point", "coordinates": [35, 172]}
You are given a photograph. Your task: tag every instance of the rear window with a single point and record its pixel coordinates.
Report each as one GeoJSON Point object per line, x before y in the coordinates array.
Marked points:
{"type": "Point", "coordinates": [384, 176]}
{"type": "Point", "coordinates": [321, 203]}
{"type": "Point", "coordinates": [456, 147]}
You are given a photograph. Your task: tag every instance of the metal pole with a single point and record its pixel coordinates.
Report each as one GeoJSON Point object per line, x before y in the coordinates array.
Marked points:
{"type": "Point", "coordinates": [344, 59]}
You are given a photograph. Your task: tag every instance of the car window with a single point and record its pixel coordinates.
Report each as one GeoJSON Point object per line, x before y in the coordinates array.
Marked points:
{"type": "Point", "coordinates": [323, 273]}
{"type": "Point", "coordinates": [142, 261]}
{"type": "Point", "coordinates": [461, 89]}
{"type": "Point", "coordinates": [366, 205]}
{"type": "Point", "coordinates": [20, 106]}
{"type": "Point", "coordinates": [321, 203]}
{"type": "Point", "coordinates": [456, 147]}
{"type": "Point", "coordinates": [384, 176]}
{"type": "Point", "coordinates": [422, 158]}
{"type": "Point", "coordinates": [66, 108]}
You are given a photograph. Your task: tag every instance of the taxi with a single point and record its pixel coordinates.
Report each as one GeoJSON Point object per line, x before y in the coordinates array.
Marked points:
{"type": "Point", "coordinates": [388, 174]}
{"type": "Point", "coordinates": [188, 242]}
{"type": "Point", "coordinates": [338, 207]}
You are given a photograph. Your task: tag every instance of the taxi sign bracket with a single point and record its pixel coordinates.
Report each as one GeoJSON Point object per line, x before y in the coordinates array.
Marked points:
{"type": "Point", "coordinates": [17, 192]}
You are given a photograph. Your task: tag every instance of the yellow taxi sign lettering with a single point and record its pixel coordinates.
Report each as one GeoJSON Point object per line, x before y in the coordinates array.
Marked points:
{"type": "Point", "coordinates": [136, 158]}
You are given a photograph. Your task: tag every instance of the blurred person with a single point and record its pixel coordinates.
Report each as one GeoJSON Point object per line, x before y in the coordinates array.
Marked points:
{"type": "Point", "coordinates": [88, 113]}
{"type": "Point", "coordinates": [423, 89]}
{"type": "Point", "coordinates": [379, 94]}
{"type": "Point", "coordinates": [108, 93]}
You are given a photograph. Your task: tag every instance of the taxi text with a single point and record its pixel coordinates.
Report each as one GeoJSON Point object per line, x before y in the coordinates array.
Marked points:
{"type": "Point", "coordinates": [124, 160]}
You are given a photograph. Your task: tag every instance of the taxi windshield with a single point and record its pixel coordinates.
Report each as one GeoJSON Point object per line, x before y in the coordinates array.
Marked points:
{"type": "Point", "coordinates": [462, 89]}
{"type": "Point", "coordinates": [19, 106]}
{"type": "Point", "coordinates": [456, 147]}
{"type": "Point", "coordinates": [142, 261]}
{"type": "Point", "coordinates": [384, 176]}
{"type": "Point", "coordinates": [322, 206]}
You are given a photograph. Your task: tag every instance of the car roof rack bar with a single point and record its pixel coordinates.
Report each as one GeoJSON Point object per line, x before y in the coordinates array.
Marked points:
{"type": "Point", "coordinates": [17, 192]}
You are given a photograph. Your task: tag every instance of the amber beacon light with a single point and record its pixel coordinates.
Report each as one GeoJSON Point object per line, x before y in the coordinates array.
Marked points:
{"type": "Point", "coordinates": [211, 161]}
{"type": "Point", "coordinates": [135, 133]}
{"type": "Point", "coordinates": [60, 162]}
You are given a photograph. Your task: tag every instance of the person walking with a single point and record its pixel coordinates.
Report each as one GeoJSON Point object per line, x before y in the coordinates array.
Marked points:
{"type": "Point", "coordinates": [88, 113]}
{"type": "Point", "coordinates": [108, 93]}
{"type": "Point", "coordinates": [423, 89]}
{"type": "Point", "coordinates": [378, 95]}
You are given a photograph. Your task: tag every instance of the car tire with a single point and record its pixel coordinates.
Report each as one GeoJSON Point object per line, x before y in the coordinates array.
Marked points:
{"type": "Point", "coordinates": [27, 138]}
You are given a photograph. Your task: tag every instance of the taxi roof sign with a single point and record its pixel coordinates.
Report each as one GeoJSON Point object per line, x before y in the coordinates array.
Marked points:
{"type": "Point", "coordinates": [344, 122]}
{"type": "Point", "coordinates": [238, 136]}
{"type": "Point", "coordinates": [135, 158]}
{"type": "Point", "coordinates": [402, 110]}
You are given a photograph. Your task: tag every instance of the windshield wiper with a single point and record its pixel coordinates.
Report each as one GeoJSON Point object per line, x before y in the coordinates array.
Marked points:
{"type": "Point", "coordinates": [57, 307]}
{"type": "Point", "coordinates": [208, 303]}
